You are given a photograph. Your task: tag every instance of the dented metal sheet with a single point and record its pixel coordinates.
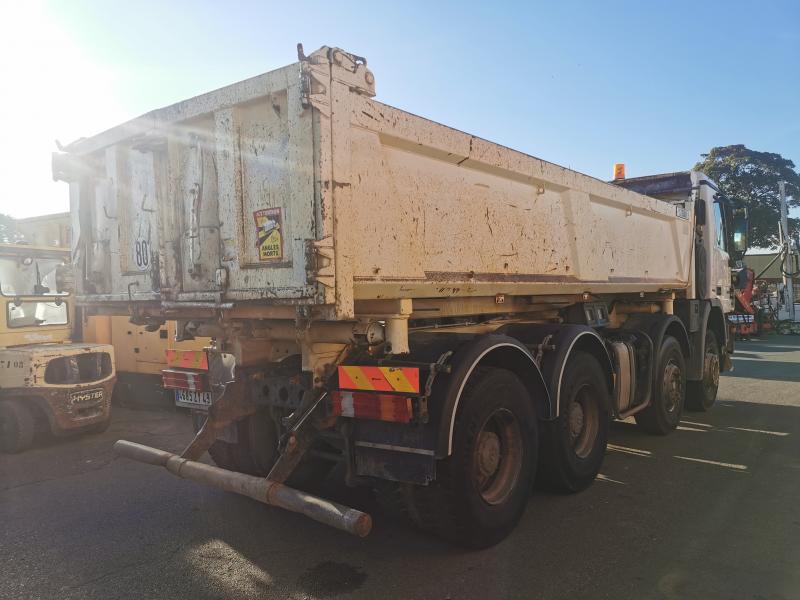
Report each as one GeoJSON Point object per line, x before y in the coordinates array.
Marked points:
{"type": "Point", "coordinates": [297, 187]}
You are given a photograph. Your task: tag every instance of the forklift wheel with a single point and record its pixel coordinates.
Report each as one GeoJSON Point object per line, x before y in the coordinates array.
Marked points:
{"type": "Point", "coordinates": [16, 426]}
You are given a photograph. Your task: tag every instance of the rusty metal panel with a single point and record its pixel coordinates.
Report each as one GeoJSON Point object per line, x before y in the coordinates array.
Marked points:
{"type": "Point", "coordinates": [194, 196]}
{"type": "Point", "coordinates": [25, 366]}
{"type": "Point", "coordinates": [212, 199]}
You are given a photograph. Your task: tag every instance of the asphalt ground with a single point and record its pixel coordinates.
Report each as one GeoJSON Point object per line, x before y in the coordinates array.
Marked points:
{"type": "Point", "coordinates": [710, 511]}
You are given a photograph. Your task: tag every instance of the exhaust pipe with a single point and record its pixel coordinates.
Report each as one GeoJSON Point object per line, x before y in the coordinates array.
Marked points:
{"type": "Point", "coordinates": [258, 488]}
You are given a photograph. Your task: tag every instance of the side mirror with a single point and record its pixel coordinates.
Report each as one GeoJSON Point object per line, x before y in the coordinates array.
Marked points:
{"type": "Point", "coordinates": [739, 228]}
{"type": "Point", "coordinates": [700, 212]}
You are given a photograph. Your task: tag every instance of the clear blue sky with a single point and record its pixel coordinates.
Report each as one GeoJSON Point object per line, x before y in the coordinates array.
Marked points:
{"type": "Point", "coordinates": [583, 84]}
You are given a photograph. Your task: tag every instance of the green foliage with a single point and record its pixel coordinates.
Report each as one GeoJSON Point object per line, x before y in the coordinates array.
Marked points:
{"type": "Point", "coordinates": [750, 178]}
{"type": "Point", "coordinates": [8, 229]}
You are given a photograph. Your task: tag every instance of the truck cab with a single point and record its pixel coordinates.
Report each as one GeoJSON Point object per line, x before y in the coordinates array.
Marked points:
{"type": "Point", "coordinates": [47, 382]}
{"type": "Point", "coordinates": [721, 231]}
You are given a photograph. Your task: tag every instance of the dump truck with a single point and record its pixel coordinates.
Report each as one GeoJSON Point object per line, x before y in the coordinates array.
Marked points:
{"type": "Point", "coordinates": [47, 381]}
{"type": "Point", "coordinates": [446, 319]}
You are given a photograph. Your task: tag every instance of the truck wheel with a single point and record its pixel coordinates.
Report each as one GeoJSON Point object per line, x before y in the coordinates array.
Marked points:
{"type": "Point", "coordinates": [257, 450]}
{"type": "Point", "coordinates": [574, 445]}
{"type": "Point", "coordinates": [16, 426]}
{"type": "Point", "coordinates": [482, 489]}
{"type": "Point", "coordinates": [700, 395]}
{"type": "Point", "coordinates": [262, 442]}
{"type": "Point", "coordinates": [666, 404]}
{"type": "Point", "coordinates": [226, 455]}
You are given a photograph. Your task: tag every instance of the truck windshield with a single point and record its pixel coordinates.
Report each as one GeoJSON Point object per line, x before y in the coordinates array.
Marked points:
{"type": "Point", "coordinates": [36, 313]}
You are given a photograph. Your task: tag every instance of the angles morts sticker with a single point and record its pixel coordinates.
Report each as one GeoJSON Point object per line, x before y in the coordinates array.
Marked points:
{"type": "Point", "coordinates": [269, 237]}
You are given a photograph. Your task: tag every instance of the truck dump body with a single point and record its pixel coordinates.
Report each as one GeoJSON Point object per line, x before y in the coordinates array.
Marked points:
{"type": "Point", "coordinates": [296, 187]}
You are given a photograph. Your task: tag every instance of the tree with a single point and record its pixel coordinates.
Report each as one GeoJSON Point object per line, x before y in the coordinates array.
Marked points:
{"type": "Point", "coordinates": [750, 178]}
{"type": "Point", "coordinates": [8, 229]}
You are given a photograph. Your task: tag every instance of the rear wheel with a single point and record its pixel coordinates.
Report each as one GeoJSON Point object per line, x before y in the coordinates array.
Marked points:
{"type": "Point", "coordinates": [573, 446]}
{"type": "Point", "coordinates": [234, 456]}
{"type": "Point", "coordinates": [668, 395]}
{"type": "Point", "coordinates": [16, 426]}
{"type": "Point", "coordinates": [482, 489]}
{"type": "Point", "coordinates": [256, 450]}
{"type": "Point", "coordinates": [700, 395]}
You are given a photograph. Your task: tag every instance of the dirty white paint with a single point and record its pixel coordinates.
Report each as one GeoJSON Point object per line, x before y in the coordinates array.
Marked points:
{"type": "Point", "coordinates": [374, 202]}
{"type": "Point", "coordinates": [25, 366]}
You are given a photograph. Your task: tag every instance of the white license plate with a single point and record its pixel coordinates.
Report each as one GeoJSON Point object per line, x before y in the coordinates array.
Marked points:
{"type": "Point", "coordinates": [192, 399]}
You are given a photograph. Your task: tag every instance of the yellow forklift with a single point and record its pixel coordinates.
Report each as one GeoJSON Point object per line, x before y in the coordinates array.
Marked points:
{"type": "Point", "coordinates": [139, 353]}
{"type": "Point", "coordinates": [47, 381]}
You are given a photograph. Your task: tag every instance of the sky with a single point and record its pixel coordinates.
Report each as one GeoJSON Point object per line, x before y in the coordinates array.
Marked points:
{"type": "Point", "coordinates": [582, 84]}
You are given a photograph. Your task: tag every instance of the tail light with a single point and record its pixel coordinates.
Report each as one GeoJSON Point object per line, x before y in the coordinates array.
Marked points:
{"type": "Point", "coordinates": [177, 379]}
{"type": "Point", "coordinates": [372, 406]}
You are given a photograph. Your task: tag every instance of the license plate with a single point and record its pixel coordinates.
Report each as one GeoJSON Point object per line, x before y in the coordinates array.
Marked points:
{"type": "Point", "coordinates": [192, 399]}
{"type": "Point", "coordinates": [86, 396]}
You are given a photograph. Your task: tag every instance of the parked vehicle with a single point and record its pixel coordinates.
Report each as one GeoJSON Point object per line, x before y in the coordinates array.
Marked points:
{"type": "Point", "coordinates": [47, 382]}
{"type": "Point", "coordinates": [139, 353]}
{"type": "Point", "coordinates": [448, 317]}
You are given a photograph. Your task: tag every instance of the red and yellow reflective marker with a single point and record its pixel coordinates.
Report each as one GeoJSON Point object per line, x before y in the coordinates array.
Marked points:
{"type": "Point", "coordinates": [187, 359]}
{"type": "Point", "coordinates": [379, 379]}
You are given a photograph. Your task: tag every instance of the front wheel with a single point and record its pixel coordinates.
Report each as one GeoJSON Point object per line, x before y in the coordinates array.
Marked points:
{"type": "Point", "coordinates": [666, 404]}
{"type": "Point", "coordinates": [482, 489]}
{"type": "Point", "coordinates": [16, 426]}
{"type": "Point", "coordinates": [700, 395]}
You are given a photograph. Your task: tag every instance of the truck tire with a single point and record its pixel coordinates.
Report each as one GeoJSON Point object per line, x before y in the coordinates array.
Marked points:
{"type": "Point", "coordinates": [16, 426]}
{"type": "Point", "coordinates": [482, 488]}
{"type": "Point", "coordinates": [573, 446]}
{"type": "Point", "coordinates": [664, 412]}
{"type": "Point", "coordinates": [256, 451]}
{"type": "Point", "coordinates": [700, 395]}
{"type": "Point", "coordinates": [227, 455]}
{"type": "Point", "coordinates": [262, 442]}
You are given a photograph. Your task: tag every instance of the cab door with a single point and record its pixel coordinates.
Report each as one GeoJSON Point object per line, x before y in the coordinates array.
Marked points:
{"type": "Point", "coordinates": [720, 272]}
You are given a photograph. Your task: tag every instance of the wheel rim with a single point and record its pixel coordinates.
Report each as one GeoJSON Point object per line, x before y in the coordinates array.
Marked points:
{"type": "Point", "coordinates": [712, 371]}
{"type": "Point", "coordinates": [497, 460]}
{"type": "Point", "coordinates": [583, 421]}
{"type": "Point", "coordinates": [672, 387]}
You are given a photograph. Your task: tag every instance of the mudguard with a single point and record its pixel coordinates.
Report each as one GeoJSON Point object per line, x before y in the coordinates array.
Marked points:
{"type": "Point", "coordinates": [496, 350]}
